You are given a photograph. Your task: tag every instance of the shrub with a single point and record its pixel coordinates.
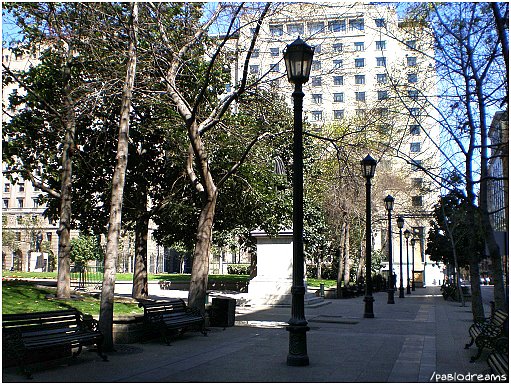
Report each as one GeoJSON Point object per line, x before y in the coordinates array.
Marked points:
{"type": "Point", "coordinates": [239, 268]}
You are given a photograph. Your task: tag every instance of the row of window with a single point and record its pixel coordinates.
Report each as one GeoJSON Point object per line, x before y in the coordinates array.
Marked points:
{"type": "Point", "coordinates": [314, 28]}
{"type": "Point", "coordinates": [17, 235]}
{"type": "Point", "coordinates": [20, 203]}
{"type": "Point", "coordinates": [317, 116]}
{"type": "Point", "coordinates": [21, 187]}
{"type": "Point", "coordinates": [360, 96]}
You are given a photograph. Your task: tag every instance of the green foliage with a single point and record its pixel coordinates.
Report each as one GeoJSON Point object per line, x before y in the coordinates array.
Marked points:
{"type": "Point", "coordinates": [239, 268]}
{"type": "Point", "coordinates": [86, 248]}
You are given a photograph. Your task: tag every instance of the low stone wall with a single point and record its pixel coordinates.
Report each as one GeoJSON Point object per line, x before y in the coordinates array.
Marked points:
{"type": "Point", "coordinates": [241, 286]}
{"type": "Point", "coordinates": [130, 329]}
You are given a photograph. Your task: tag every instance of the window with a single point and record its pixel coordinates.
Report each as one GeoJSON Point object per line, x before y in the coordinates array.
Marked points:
{"type": "Point", "coordinates": [316, 27]}
{"type": "Point", "coordinates": [381, 45]}
{"type": "Point", "coordinates": [20, 203]}
{"type": "Point", "coordinates": [338, 114]}
{"type": "Point", "coordinates": [35, 202]}
{"type": "Point", "coordinates": [252, 31]}
{"type": "Point", "coordinates": [360, 112]}
{"type": "Point", "coordinates": [382, 95]}
{"type": "Point", "coordinates": [338, 80]}
{"type": "Point", "coordinates": [411, 61]}
{"type": "Point", "coordinates": [48, 237]}
{"type": "Point", "coordinates": [415, 147]}
{"type": "Point", "coordinates": [254, 69]}
{"type": "Point", "coordinates": [381, 61]}
{"type": "Point", "coordinates": [316, 81]}
{"type": "Point", "coordinates": [383, 128]}
{"type": "Point", "coordinates": [381, 78]}
{"type": "Point", "coordinates": [317, 116]}
{"type": "Point", "coordinates": [416, 165]}
{"type": "Point", "coordinates": [275, 83]}
{"type": "Point", "coordinates": [274, 67]}
{"type": "Point", "coordinates": [412, 78]}
{"type": "Point", "coordinates": [337, 26]}
{"type": "Point", "coordinates": [337, 64]}
{"type": "Point", "coordinates": [227, 88]}
{"type": "Point", "coordinates": [359, 63]}
{"type": "Point", "coordinates": [417, 201]}
{"type": "Point", "coordinates": [379, 23]}
{"type": "Point", "coordinates": [417, 183]}
{"type": "Point", "coordinates": [276, 30]}
{"type": "Point", "coordinates": [415, 129]}
{"type": "Point", "coordinates": [339, 97]}
{"type": "Point", "coordinates": [317, 98]}
{"type": "Point", "coordinates": [255, 53]}
{"type": "Point", "coordinates": [356, 24]}
{"type": "Point", "coordinates": [21, 188]}
{"type": "Point", "coordinates": [6, 203]}
{"type": "Point", "coordinates": [413, 94]}
{"type": "Point", "coordinates": [412, 44]}
{"type": "Point", "coordinates": [7, 187]}
{"type": "Point", "coordinates": [317, 48]}
{"type": "Point", "coordinates": [383, 112]}
{"type": "Point", "coordinates": [360, 79]}
{"type": "Point", "coordinates": [337, 47]}
{"type": "Point", "coordinates": [414, 111]}
{"type": "Point", "coordinates": [274, 51]}
{"type": "Point", "coordinates": [360, 96]}
{"type": "Point", "coordinates": [359, 46]}
{"type": "Point", "coordinates": [295, 29]}
{"type": "Point", "coordinates": [316, 65]}
{"type": "Point", "coordinates": [18, 236]}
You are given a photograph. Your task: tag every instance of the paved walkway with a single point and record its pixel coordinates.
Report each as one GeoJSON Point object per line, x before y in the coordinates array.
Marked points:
{"type": "Point", "coordinates": [417, 339]}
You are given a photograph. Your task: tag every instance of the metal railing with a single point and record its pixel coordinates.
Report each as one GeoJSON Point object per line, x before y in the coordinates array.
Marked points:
{"type": "Point", "coordinates": [86, 277]}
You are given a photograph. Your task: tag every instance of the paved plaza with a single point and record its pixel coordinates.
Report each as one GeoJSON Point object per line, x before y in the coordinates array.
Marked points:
{"type": "Point", "coordinates": [418, 339]}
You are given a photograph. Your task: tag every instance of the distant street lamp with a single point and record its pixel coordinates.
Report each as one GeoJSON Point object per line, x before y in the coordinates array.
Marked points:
{"type": "Point", "coordinates": [389, 205]}
{"type": "Point", "coordinates": [368, 169]}
{"type": "Point", "coordinates": [298, 58]}
{"type": "Point", "coordinates": [407, 235]}
{"type": "Point", "coordinates": [412, 242]}
{"type": "Point", "coordinates": [400, 224]}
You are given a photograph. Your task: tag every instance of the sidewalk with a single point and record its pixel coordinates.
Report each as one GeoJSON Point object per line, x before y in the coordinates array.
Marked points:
{"type": "Point", "coordinates": [411, 341]}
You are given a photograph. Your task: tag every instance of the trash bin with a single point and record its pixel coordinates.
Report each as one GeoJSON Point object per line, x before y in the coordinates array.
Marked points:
{"type": "Point", "coordinates": [223, 311]}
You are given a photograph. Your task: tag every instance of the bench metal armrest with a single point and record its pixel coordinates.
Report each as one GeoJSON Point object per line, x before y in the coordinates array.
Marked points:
{"type": "Point", "coordinates": [193, 311]}
{"type": "Point", "coordinates": [88, 323]}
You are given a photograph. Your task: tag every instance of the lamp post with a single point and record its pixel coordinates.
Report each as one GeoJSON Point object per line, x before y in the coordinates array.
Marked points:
{"type": "Point", "coordinates": [407, 235]}
{"type": "Point", "coordinates": [368, 168]}
{"type": "Point", "coordinates": [298, 58]}
{"type": "Point", "coordinates": [400, 224]}
{"type": "Point", "coordinates": [412, 242]}
{"type": "Point", "coordinates": [389, 205]}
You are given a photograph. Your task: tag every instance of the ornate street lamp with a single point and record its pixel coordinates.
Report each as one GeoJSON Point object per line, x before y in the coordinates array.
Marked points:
{"type": "Point", "coordinates": [400, 224]}
{"type": "Point", "coordinates": [412, 242]}
{"type": "Point", "coordinates": [407, 235]}
{"type": "Point", "coordinates": [389, 205]}
{"type": "Point", "coordinates": [298, 58]}
{"type": "Point", "coordinates": [368, 168]}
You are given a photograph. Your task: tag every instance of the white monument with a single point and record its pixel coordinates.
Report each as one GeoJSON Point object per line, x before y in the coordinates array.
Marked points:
{"type": "Point", "coordinates": [272, 285]}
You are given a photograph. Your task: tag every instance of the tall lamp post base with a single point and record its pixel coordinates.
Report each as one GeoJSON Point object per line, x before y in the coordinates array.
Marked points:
{"type": "Point", "coordinates": [368, 312]}
{"type": "Point", "coordinates": [391, 296]}
{"type": "Point", "coordinates": [297, 355]}
{"type": "Point", "coordinates": [401, 292]}
{"type": "Point", "coordinates": [408, 289]}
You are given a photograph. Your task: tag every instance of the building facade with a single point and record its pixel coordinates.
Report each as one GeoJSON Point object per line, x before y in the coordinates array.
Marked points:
{"type": "Point", "coordinates": [374, 73]}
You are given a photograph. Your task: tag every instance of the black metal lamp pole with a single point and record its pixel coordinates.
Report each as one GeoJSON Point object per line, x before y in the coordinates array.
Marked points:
{"type": "Point", "coordinates": [400, 224]}
{"type": "Point", "coordinates": [412, 242]}
{"type": "Point", "coordinates": [368, 168]}
{"type": "Point", "coordinates": [389, 205]}
{"type": "Point", "coordinates": [407, 235]}
{"type": "Point", "coordinates": [298, 59]}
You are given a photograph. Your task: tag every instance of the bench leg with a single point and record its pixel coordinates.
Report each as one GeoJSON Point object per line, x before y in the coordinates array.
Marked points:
{"type": "Point", "coordinates": [474, 358]}
{"type": "Point", "coordinates": [75, 354]}
{"type": "Point", "coordinates": [101, 354]}
{"type": "Point", "coordinates": [470, 343]}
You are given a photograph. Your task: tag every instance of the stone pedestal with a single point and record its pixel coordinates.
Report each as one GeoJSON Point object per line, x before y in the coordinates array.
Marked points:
{"type": "Point", "coordinates": [272, 285]}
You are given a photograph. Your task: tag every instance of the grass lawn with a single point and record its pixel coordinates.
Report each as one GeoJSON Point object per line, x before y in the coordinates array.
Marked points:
{"type": "Point", "coordinates": [327, 282]}
{"type": "Point", "coordinates": [25, 297]}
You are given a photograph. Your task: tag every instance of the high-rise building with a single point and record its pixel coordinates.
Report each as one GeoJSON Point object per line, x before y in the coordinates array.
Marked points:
{"type": "Point", "coordinates": [374, 73]}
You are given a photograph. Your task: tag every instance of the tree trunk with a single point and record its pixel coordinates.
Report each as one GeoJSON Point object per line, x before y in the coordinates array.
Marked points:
{"type": "Point", "coordinates": [200, 265]}
{"type": "Point", "coordinates": [140, 287]}
{"type": "Point", "coordinates": [114, 226]}
{"type": "Point", "coordinates": [64, 231]}
{"type": "Point", "coordinates": [346, 247]}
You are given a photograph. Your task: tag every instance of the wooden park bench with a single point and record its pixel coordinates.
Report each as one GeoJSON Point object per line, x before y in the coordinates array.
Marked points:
{"type": "Point", "coordinates": [485, 334]}
{"type": "Point", "coordinates": [172, 315]}
{"type": "Point", "coordinates": [498, 359]}
{"type": "Point", "coordinates": [32, 337]}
